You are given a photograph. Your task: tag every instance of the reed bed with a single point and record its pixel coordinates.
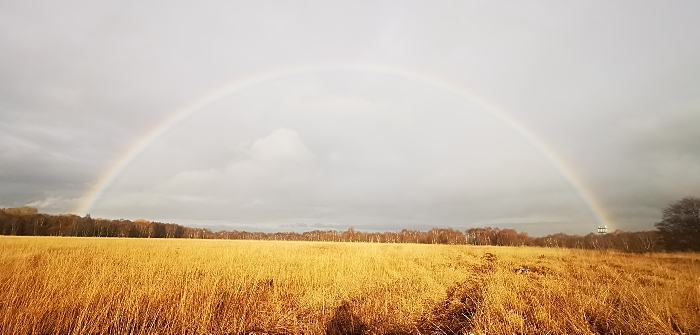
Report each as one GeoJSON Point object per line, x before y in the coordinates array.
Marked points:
{"type": "Point", "coordinates": [60, 285]}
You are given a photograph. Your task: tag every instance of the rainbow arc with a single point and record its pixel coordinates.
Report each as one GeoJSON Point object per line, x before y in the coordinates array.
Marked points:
{"type": "Point", "coordinates": [111, 174]}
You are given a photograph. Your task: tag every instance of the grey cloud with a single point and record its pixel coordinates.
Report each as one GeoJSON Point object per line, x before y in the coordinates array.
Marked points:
{"type": "Point", "coordinates": [673, 131]}
{"type": "Point", "coordinates": [611, 87]}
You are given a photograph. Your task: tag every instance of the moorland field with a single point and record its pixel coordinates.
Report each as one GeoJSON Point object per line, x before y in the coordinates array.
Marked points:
{"type": "Point", "coordinates": [63, 285]}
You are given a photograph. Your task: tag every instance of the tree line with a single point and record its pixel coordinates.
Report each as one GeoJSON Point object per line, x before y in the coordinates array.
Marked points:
{"type": "Point", "coordinates": [27, 221]}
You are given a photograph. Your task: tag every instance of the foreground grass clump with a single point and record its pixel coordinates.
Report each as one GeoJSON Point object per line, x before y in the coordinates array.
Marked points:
{"type": "Point", "coordinates": [145, 286]}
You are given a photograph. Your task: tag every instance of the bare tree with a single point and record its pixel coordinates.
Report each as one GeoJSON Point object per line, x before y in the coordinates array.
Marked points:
{"type": "Point", "coordinates": [680, 225]}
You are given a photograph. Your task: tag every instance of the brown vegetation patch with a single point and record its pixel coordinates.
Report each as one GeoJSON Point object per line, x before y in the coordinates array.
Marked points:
{"type": "Point", "coordinates": [455, 314]}
{"type": "Point", "coordinates": [345, 322]}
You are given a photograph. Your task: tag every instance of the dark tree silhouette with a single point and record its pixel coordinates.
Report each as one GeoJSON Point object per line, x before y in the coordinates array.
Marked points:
{"type": "Point", "coordinates": [680, 225]}
{"type": "Point", "coordinates": [28, 221]}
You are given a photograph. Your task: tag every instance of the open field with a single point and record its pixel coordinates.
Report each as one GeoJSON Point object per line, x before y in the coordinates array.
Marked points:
{"type": "Point", "coordinates": [159, 286]}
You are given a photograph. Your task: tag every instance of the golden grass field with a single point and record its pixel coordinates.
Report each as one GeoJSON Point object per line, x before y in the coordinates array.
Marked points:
{"type": "Point", "coordinates": [65, 285]}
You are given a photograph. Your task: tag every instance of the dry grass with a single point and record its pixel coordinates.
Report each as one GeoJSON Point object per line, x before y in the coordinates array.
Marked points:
{"type": "Point", "coordinates": [141, 286]}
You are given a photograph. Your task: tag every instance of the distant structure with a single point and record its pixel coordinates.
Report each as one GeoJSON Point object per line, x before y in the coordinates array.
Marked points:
{"type": "Point", "coordinates": [602, 229]}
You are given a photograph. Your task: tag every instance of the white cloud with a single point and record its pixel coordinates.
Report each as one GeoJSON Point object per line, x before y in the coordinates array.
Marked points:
{"type": "Point", "coordinates": [189, 181]}
{"type": "Point", "coordinates": [260, 168]}
{"type": "Point", "coordinates": [57, 204]}
{"type": "Point", "coordinates": [281, 146]}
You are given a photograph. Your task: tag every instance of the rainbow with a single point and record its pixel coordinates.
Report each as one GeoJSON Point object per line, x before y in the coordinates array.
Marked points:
{"type": "Point", "coordinates": [109, 176]}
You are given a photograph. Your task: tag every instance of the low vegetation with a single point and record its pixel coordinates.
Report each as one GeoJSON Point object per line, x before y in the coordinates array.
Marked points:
{"type": "Point", "coordinates": [65, 285]}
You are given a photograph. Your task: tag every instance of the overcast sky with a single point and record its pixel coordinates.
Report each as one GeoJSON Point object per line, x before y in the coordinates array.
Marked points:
{"type": "Point", "coordinates": [612, 88]}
